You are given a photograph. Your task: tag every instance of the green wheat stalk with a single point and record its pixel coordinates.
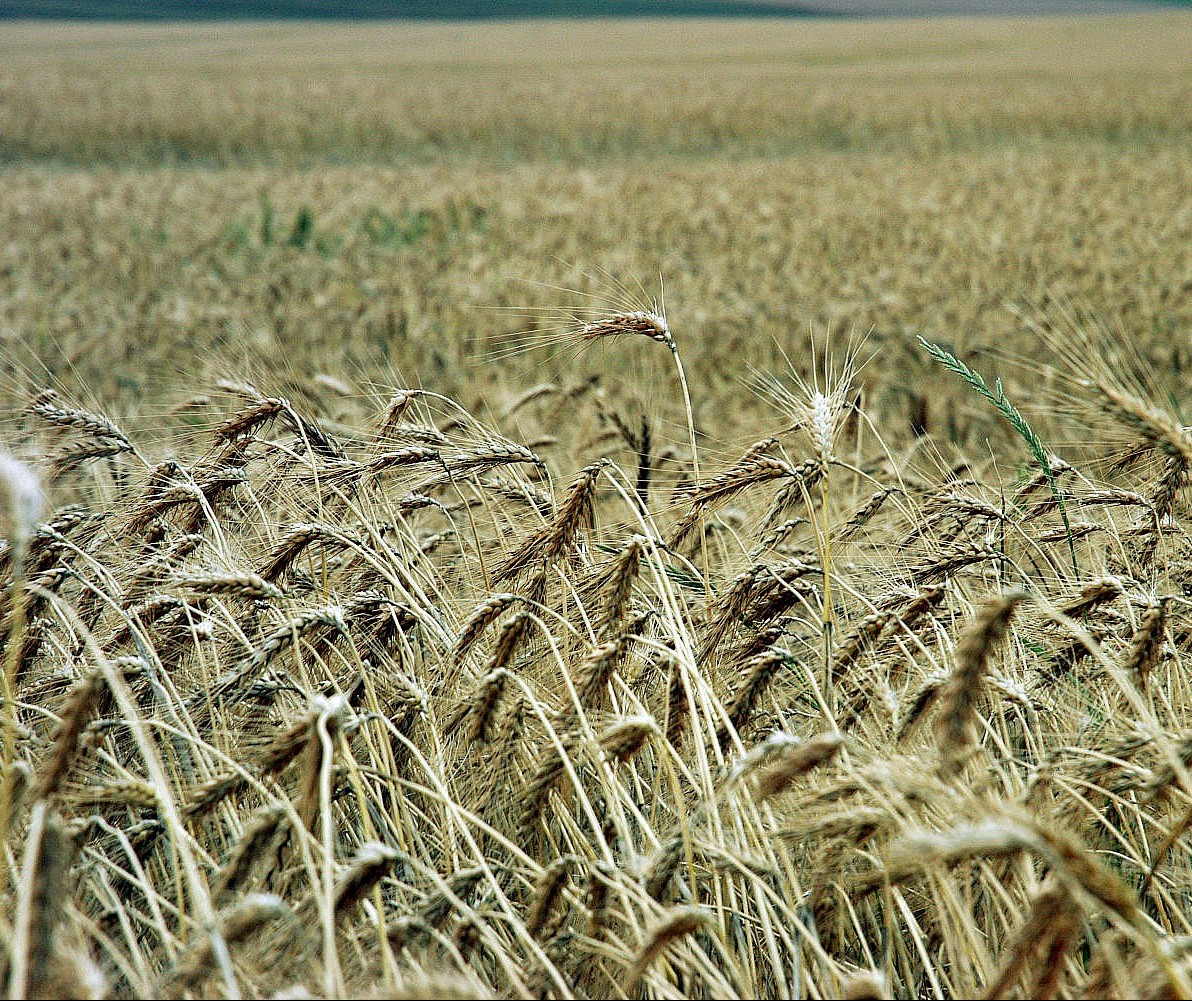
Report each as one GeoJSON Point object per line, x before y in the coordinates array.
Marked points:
{"type": "Point", "coordinates": [1015, 419]}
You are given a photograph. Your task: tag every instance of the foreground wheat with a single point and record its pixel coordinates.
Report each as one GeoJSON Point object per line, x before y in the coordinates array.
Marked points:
{"type": "Point", "coordinates": [413, 711]}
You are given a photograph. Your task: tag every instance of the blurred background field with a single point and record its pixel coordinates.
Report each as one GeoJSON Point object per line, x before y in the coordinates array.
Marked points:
{"type": "Point", "coordinates": [351, 199]}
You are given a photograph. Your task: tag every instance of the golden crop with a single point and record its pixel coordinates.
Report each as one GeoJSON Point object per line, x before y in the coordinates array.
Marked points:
{"type": "Point", "coordinates": [637, 509]}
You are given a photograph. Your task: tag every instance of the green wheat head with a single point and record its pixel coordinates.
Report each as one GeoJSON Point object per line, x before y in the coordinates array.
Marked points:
{"type": "Point", "coordinates": [1014, 418]}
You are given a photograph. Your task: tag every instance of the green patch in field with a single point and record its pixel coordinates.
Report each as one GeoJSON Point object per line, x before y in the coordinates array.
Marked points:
{"type": "Point", "coordinates": [300, 232]}
{"type": "Point", "coordinates": [385, 230]}
{"type": "Point", "coordinates": [411, 226]}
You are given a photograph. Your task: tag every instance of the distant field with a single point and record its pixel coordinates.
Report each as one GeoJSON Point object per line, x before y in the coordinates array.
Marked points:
{"type": "Point", "coordinates": [900, 176]}
{"type": "Point", "coordinates": [630, 509]}
{"type": "Point", "coordinates": [585, 92]}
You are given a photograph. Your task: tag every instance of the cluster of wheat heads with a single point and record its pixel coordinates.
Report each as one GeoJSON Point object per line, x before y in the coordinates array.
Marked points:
{"type": "Point", "coordinates": [400, 710]}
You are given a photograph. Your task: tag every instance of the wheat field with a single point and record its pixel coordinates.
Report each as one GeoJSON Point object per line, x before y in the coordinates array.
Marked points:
{"type": "Point", "coordinates": [611, 510]}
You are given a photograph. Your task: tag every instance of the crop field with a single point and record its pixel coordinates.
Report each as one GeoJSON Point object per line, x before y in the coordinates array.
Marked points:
{"type": "Point", "coordinates": [625, 509]}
